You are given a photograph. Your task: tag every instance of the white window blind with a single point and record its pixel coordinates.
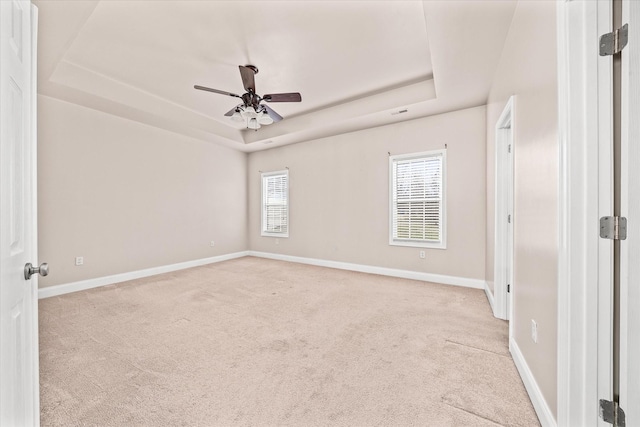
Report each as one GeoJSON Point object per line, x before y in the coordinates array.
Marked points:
{"type": "Point", "coordinates": [417, 199]}
{"type": "Point", "coordinates": [275, 204]}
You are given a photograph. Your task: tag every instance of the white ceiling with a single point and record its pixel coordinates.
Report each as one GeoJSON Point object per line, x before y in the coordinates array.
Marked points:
{"type": "Point", "coordinates": [356, 63]}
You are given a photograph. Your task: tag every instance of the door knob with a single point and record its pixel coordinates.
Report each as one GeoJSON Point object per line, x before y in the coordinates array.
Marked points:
{"type": "Point", "coordinates": [30, 270]}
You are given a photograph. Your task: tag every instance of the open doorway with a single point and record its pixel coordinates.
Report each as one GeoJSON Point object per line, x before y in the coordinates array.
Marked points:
{"type": "Point", "coordinates": [504, 218]}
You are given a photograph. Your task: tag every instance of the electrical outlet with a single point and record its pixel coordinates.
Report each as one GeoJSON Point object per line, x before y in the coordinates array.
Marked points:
{"type": "Point", "coordinates": [423, 255]}
{"type": "Point", "coordinates": [534, 331]}
{"type": "Point", "coordinates": [213, 243]}
{"type": "Point", "coordinates": [277, 241]}
{"type": "Point", "coordinates": [79, 260]}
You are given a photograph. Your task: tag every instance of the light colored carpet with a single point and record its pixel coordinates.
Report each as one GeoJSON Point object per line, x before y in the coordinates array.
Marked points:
{"type": "Point", "coordinates": [263, 343]}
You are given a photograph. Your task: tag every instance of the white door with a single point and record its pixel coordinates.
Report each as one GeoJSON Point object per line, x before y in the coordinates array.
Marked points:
{"type": "Point", "coordinates": [510, 220]}
{"type": "Point", "coordinates": [504, 218]}
{"type": "Point", "coordinates": [19, 402]}
{"type": "Point", "coordinates": [630, 208]}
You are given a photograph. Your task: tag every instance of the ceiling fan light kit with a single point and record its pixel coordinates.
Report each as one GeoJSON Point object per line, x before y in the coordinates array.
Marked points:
{"type": "Point", "coordinates": [265, 119]}
{"type": "Point", "coordinates": [251, 110]}
{"type": "Point", "coordinates": [237, 116]}
{"type": "Point", "coordinates": [253, 124]}
{"type": "Point", "coordinates": [249, 113]}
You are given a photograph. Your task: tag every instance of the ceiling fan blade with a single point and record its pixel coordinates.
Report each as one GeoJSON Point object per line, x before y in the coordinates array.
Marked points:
{"type": "Point", "coordinates": [248, 78]}
{"type": "Point", "coordinates": [283, 97]}
{"type": "Point", "coordinates": [221, 92]}
{"type": "Point", "coordinates": [230, 112]}
{"type": "Point", "coordinates": [275, 116]}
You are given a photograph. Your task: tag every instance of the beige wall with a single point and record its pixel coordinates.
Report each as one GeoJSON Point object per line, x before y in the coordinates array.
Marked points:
{"type": "Point", "coordinates": [127, 196]}
{"type": "Point", "coordinates": [339, 195]}
{"type": "Point", "coordinates": [527, 70]}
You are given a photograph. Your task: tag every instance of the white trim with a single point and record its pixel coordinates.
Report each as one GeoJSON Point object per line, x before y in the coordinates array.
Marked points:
{"type": "Point", "coordinates": [404, 274]}
{"type": "Point", "coordinates": [629, 208]}
{"type": "Point", "coordinates": [535, 394]}
{"type": "Point", "coordinates": [504, 179]}
{"type": "Point", "coordinates": [487, 291]}
{"type": "Point", "coordinates": [82, 285]}
{"type": "Point", "coordinates": [442, 243]}
{"type": "Point", "coordinates": [35, 416]}
{"type": "Point", "coordinates": [584, 194]}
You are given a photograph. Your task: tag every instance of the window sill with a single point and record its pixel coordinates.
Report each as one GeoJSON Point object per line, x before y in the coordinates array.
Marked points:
{"type": "Point", "coordinates": [415, 244]}
{"type": "Point", "coordinates": [278, 235]}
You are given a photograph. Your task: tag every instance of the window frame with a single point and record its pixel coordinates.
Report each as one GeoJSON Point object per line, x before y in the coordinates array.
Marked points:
{"type": "Point", "coordinates": [263, 179]}
{"type": "Point", "coordinates": [442, 243]}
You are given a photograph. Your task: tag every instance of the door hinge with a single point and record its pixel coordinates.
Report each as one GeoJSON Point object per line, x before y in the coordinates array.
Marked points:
{"type": "Point", "coordinates": [509, 218]}
{"type": "Point", "coordinates": [508, 288]}
{"type": "Point", "coordinates": [509, 147]}
{"type": "Point", "coordinates": [612, 413]}
{"type": "Point", "coordinates": [614, 42]}
{"type": "Point", "coordinates": [613, 227]}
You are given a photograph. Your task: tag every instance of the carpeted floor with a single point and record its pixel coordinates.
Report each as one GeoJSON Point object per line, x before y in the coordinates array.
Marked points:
{"type": "Point", "coordinates": [264, 343]}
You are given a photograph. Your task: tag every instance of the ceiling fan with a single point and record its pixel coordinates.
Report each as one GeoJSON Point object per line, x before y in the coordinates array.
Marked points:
{"type": "Point", "coordinates": [251, 109]}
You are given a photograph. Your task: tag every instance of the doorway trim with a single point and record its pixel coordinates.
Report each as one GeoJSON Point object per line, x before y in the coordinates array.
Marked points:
{"type": "Point", "coordinates": [629, 392]}
{"type": "Point", "coordinates": [585, 193]}
{"type": "Point", "coordinates": [504, 186]}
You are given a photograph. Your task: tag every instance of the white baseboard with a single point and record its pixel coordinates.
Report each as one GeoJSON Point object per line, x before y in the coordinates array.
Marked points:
{"type": "Point", "coordinates": [82, 285]}
{"type": "Point", "coordinates": [66, 288]}
{"type": "Point", "coordinates": [489, 294]}
{"type": "Point", "coordinates": [405, 274]}
{"type": "Point", "coordinates": [535, 394]}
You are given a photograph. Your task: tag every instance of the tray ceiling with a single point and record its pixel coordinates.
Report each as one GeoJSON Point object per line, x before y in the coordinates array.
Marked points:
{"type": "Point", "coordinates": [356, 63]}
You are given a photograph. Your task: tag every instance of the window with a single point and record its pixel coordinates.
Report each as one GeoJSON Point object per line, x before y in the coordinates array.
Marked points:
{"type": "Point", "coordinates": [417, 199]}
{"type": "Point", "coordinates": [275, 204]}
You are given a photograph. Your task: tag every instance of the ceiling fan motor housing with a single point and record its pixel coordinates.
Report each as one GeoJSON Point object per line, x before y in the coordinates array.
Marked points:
{"type": "Point", "coordinates": [251, 99]}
